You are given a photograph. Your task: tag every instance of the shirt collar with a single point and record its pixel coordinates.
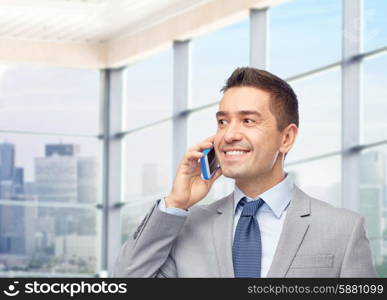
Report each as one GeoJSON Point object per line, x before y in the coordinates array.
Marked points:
{"type": "Point", "coordinates": [277, 198]}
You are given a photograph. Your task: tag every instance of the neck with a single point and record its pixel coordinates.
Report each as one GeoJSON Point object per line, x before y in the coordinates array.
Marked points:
{"type": "Point", "coordinates": [253, 187]}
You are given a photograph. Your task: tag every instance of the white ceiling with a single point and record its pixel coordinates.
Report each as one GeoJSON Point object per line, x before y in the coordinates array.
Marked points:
{"type": "Point", "coordinates": [85, 21]}
{"type": "Point", "coordinates": [107, 33]}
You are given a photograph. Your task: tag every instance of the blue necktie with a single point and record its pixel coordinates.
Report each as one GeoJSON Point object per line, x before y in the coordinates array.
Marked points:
{"type": "Point", "coordinates": [247, 250]}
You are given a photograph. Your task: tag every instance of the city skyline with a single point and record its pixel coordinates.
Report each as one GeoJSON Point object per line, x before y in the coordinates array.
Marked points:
{"type": "Point", "coordinates": [33, 237]}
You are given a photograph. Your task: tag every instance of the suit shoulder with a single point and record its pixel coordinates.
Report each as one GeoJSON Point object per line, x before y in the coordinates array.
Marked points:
{"type": "Point", "coordinates": [203, 209]}
{"type": "Point", "coordinates": [332, 213]}
{"type": "Point", "coordinates": [217, 204]}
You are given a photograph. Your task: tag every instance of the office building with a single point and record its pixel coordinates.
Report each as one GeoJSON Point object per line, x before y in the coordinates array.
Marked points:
{"type": "Point", "coordinates": [62, 150]}
{"type": "Point", "coordinates": [7, 161]}
{"type": "Point", "coordinates": [87, 179]}
{"type": "Point", "coordinates": [12, 217]}
{"type": "Point", "coordinates": [56, 178]}
{"type": "Point", "coordinates": [372, 178]}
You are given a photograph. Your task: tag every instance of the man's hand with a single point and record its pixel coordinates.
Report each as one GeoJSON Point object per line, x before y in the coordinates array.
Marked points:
{"type": "Point", "coordinates": [188, 187]}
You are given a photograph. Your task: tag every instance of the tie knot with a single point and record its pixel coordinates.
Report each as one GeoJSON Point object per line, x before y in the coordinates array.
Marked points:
{"type": "Point", "coordinates": [250, 208]}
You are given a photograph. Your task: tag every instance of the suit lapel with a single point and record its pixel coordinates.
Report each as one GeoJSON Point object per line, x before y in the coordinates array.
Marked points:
{"type": "Point", "coordinates": [295, 226]}
{"type": "Point", "coordinates": [222, 235]}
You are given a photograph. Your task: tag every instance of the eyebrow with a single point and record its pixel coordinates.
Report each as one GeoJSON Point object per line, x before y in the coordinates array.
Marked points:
{"type": "Point", "coordinates": [241, 113]}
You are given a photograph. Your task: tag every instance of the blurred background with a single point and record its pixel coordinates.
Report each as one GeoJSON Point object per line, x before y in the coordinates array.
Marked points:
{"type": "Point", "coordinates": [100, 99]}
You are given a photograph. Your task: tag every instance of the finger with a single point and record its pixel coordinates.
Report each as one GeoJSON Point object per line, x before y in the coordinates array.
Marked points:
{"type": "Point", "coordinates": [201, 146]}
{"type": "Point", "coordinates": [191, 167]}
{"type": "Point", "coordinates": [210, 139]}
{"type": "Point", "coordinates": [208, 143]}
{"type": "Point", "coordinates": [193, 155]}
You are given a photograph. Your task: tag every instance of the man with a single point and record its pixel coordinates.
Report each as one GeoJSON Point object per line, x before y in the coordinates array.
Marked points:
{"type": "Point", "coordinates": [267, 227]}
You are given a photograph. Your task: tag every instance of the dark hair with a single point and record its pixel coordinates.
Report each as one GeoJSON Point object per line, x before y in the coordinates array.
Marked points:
{"type": "Point", "coordinates": [284, 103]}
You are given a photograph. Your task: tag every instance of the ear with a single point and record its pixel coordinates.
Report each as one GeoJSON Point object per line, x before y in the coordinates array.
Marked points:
{"type": "Point", "coordinates": [289, 135]}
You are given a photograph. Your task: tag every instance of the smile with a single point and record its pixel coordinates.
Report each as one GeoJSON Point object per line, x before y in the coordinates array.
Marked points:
{"type": "Point", "coordinates": [235, 152]}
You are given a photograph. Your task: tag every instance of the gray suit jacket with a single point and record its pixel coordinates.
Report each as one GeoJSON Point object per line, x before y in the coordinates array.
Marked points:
{"type": "Point", "coordinates": [317, 240]}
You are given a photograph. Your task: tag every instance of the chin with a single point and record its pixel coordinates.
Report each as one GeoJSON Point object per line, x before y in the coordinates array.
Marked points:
{"type": "Point", "coordinates": [234, 174]}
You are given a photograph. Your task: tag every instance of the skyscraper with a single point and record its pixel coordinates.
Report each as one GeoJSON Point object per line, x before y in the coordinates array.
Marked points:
{"type": "Point", "coordinates": [87, 179]}
{"type": "Point", "coordinates": [12, 217]}
{"type": "Point", "coordinates": [62, 150]}
{"type": "Point", "coordinates": [12, 229]}
{"type": "Point", "coordinates": [7, 161]}
{"type": "Point", "coordinates": [18, 183]}
{"type": "Point", "coordinates": [372, 177]}
{"type": "Point", "coordinates": [56, 178]}
{"type": "Point", "coordinates": [62, 176]}
{"type": "Point", "coordinates": [11, 178]}
{"type": "Point", "coordinates": [55, 181]}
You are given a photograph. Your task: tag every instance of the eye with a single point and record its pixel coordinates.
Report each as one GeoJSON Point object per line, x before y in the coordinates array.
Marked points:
{"type": "Point", "coordinates": [222, 121]}
{"type": "Point", "coordinates": [248, 121]}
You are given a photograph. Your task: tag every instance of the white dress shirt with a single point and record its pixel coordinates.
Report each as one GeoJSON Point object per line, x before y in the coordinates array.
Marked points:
{"type": "Point", "coordinates": [270, 216]}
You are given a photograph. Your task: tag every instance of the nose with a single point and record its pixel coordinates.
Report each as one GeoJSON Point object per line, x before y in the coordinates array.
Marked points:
{"type": "Point", "coordinates": [232, 133]}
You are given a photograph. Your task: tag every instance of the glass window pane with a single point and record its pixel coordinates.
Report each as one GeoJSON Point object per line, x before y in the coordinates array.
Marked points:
{"type": "Point", "coordinates": [148, 172]}
{"type": "Point", "coordinates": [374, 102]}
{"type": "Point", "coordinates": [214, 57]}
{"type": "Point", "coordinates": [201, 125]}
{"type": "Point", "coordinates": [56, 100]}
{"type": "Point", "coordinates": [320, 115]}
{"type": "Point", "coordinates": [304, 35]}
{"type": "Point", "coordinates": [375, 24]}
{"type": "Point", "coordinates": [50, 169]}
{"type": "Point", "coordinates": [148, 162]}
{"type": "Point", "coordinates": [149, 90]}
{"type": "Point", "coordinates": [132, 214]}
{"type": "Point", "coordinates": [373, 202]}
{"type": "Point", "coordinates": [320, 179]}
{"type": "Point", "coordinates": [47, 240]}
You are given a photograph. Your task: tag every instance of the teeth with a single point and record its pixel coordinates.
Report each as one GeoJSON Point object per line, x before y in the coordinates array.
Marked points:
{"type": "Point", "coordinates": [235, 152]}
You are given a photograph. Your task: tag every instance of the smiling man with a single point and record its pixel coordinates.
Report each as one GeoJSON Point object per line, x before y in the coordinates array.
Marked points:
{"type": "Point", "coordinates": [267, 227]}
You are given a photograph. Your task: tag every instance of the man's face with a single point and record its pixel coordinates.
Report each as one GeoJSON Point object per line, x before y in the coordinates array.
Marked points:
{"type": "Point", "coordinates": [247, 141]}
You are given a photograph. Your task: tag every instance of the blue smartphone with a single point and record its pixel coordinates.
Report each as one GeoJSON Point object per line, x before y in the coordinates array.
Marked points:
{"type": "Point", "coordinates": [209, 163]}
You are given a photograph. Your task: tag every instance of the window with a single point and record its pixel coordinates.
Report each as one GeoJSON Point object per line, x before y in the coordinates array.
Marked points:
{"type": "Point", "coordinates": [320, 179]}
{"type": "Point", "coordinates": [373, 202]}
{"type": "Point", "coordinates": [50, 179]}
{"type": "Point", "coordinates": [55, 100]}
{"type": "Point", "coordinates": [148, 172]}
{"type": "Point", "coordinates": [320, 115]}
{"type": "Point", "coordinates": [51, 168]}
{"type": "Point", "coordinates": [201, 125]}
{"type": "Point", "coordinates": [149, 90]}
{"type": "Point", "coordinates": [48, 239]}
{"type": "Point", "coordinates": [214, 57]}
{"type": "Point", "coordinates": [304, 35]}
{"type": "Point", "coordinates": [374, 101]}
{"type": "Point", "coordinates": [375, 24]}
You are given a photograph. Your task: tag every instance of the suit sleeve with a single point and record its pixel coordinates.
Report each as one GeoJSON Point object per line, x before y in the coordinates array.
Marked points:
{"type": "Point", "coordinates": [357, 260]}
{"type": "Point", "coordinates": [149, 252]}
